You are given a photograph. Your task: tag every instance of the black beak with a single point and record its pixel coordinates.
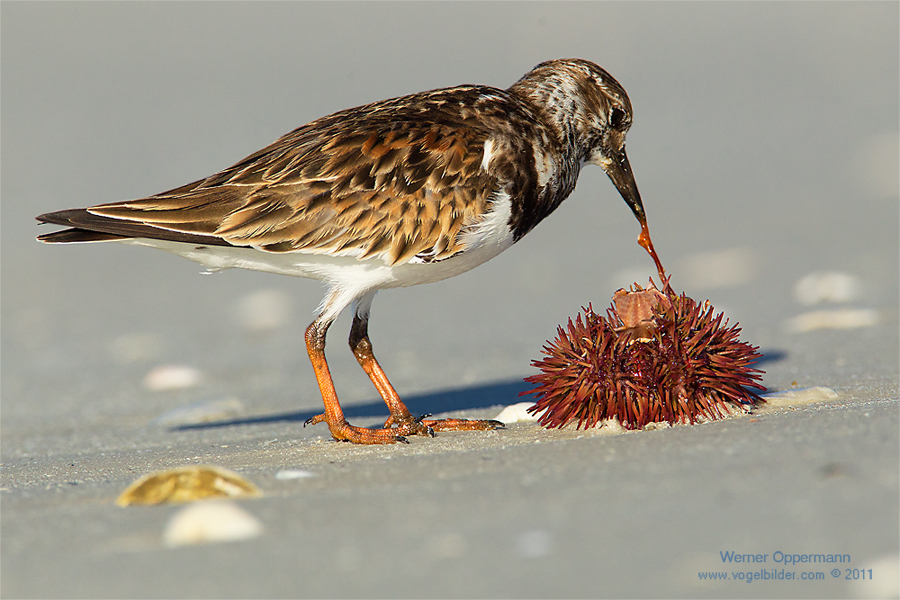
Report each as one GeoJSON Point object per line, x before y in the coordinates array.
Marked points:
{"type": "Point", "coordinates": [619, 170]}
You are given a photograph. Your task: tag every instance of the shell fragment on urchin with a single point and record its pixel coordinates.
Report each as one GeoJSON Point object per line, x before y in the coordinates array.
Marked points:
{"type": "Point", "coordinates": [656, 357]}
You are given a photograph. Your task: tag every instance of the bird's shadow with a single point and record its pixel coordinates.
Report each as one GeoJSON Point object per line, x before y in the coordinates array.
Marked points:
{"type": "Point", "coordinates": [445, 401]}
{"type": "Point", "coordinates": [456, 399]}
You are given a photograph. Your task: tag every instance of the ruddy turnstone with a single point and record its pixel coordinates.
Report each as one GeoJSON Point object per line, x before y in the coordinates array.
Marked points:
{"type": "Point", "coordinates": [391, 194]}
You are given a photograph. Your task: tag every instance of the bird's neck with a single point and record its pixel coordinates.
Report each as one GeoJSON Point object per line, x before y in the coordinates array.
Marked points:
{"type": "Point", "coordinates": [554, 101]}
{"type": "Point", "coordinates": [554, 109]}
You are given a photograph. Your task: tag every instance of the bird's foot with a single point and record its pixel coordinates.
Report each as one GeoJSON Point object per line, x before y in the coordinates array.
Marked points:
{"type": "Point", "coordinates": [410, 425]}
{"type": "Point", "coordinates": [397, 428]}
{"type": "Point", "coordinates": [345, 432]}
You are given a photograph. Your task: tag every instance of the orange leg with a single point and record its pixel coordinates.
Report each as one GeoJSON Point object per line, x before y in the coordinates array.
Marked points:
{"type": "Point", "coordinates": [400, 416]}
{"type": "Point", "coordinates": [334, 416]}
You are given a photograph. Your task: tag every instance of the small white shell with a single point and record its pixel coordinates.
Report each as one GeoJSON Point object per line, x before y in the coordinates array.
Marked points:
{"type": "Point", "coordinates": [263, 310]}
{"type": "Point", "coordinates": [516, 413]}
{"type": "Point", "coordinates": [135, 347]}
{"type": "Point", "coordinates": [211, 521]}
{"type": "Point", "coordinates": [882, 582]}
{"type": "Point", "coordinates": [286, 474]}
{"type": "Point", "coordinates": [827, 286]}
{"type": "Point", "coordinates": [172, 377]}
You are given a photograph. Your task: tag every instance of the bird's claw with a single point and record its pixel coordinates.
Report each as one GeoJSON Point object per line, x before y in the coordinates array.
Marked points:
{"type": "Point", "coordinates": [429, 430]}
{"type": "Point", "coordinates": [314, 420]}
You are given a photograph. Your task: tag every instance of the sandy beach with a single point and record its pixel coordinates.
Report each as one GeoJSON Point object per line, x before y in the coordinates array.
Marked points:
{"type": "Point", "coordinates": [765, 146]}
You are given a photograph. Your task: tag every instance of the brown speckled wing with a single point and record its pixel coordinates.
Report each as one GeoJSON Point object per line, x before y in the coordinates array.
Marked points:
{"type": "Point", "coordinates": [393, 180]}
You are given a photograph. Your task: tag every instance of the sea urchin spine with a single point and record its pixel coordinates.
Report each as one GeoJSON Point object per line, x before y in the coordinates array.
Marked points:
{"type": "Point", "coordinates": [655, 357]}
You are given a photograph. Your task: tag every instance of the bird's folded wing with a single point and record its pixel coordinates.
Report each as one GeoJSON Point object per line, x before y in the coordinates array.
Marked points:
{"type": "Point", "coordinates": [365, 183]}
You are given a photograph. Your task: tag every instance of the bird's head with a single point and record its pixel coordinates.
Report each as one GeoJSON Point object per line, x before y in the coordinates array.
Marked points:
{"type": "Point", "coordinates": [591, 114]}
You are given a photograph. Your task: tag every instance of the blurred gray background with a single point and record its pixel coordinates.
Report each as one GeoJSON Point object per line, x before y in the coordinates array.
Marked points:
{"type": "Point", "coordinates": [765, 146]}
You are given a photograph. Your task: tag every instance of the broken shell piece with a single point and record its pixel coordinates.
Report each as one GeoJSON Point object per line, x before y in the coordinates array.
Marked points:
{"type": "Point", "coordinates": [217, 521]}
{"type": "Point", "coordinates": [636, 309]}
{"type": "Point", "coordinates": [800, 396]}
{"type": "Point", "coordinates": [639, 305]}
{"type": "Point", "coordinates": [187, 484]}
{"type": "Point", "coordinates": [844, 318]}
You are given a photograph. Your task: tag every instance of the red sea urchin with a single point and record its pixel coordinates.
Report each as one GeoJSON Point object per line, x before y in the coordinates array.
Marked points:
{"type": "Point", "coordinates": [655, 357]}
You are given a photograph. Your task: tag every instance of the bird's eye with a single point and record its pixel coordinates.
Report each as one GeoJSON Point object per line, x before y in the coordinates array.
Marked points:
{"type": "Point", "coordinates": [617, 117]}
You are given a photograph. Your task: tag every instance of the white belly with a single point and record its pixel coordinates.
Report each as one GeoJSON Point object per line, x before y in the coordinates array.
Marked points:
{"type": "Point", "coordinates": [483, 242]}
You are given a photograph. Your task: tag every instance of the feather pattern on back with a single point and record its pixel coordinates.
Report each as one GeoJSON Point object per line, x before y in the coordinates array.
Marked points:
{"type": "Point", "coordinates": [394, 180]}
{"type": "Point", "coordinates": [400, 180]}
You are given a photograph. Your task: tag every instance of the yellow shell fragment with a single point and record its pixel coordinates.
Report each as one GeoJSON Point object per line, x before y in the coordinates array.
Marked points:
{"type": "Point", "coordinates": [187, 484]}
